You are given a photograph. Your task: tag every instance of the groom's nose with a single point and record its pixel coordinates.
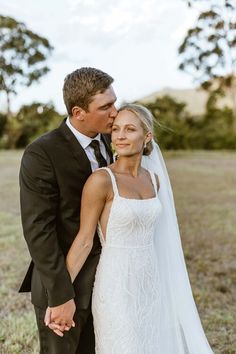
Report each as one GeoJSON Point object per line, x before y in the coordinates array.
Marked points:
{"type": "Point", "coordinates": [113, 112]}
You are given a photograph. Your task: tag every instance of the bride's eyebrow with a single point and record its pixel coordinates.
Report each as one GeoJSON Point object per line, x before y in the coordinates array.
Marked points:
{"type": "Point", "coordinates": [126, 125]}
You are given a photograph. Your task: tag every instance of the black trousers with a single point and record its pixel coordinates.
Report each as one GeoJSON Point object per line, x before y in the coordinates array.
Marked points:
{"type": "Point", "coordinates": [78, 340]}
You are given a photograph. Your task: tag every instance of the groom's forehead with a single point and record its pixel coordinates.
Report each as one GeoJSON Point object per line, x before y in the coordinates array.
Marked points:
{"type": "Point", "coordinates": [104, 97]}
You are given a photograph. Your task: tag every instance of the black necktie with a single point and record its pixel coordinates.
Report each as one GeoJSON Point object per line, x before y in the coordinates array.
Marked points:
{"type": "Point", "coordinates": [100, 159]}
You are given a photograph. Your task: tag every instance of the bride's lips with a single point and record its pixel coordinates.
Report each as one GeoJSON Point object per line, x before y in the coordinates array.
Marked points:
{"type": "Point", "coordinates": [121, 145]}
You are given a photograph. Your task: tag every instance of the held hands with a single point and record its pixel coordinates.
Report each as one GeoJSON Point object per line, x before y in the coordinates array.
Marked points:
{"type": "Point", "coordinates": [60, 318]}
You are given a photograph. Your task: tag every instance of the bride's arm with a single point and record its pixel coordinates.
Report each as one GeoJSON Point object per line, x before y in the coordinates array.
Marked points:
{"type": "Point", "coordinates": [93, 200]}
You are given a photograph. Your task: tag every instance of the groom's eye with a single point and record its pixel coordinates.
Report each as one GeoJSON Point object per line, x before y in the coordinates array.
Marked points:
{"type": "Point", "coordinates": [104, 108]}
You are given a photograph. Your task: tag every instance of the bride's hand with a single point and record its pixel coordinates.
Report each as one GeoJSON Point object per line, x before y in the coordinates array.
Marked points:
{"type": "Point", "coordinates": [56, 328]}
{"type": "Point", "coordinates": [47, 317]}
{"type": "Point", "coordinates": [59, 329]}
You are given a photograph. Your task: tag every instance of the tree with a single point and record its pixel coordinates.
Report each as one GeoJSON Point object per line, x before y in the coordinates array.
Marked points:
{"type": "Point", "coordinates": [172, 125]}
{"type": "Point", "coordinates": [3, 120]}
{"type": "Point", "coordinates": [30, 122]}
{"type": "Point", "coordinates": [208, 52]}
{"type": "Point", "coordinates": [22, 56]}
{"type": "Point", "coordinates": [176, 128]}
{"type": "Point", "coordinates": [217, 127]}
{"type": "Point", "coordinates": [192, 2]}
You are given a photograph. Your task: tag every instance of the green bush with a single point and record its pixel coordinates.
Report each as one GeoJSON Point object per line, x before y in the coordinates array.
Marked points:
{"type": "Point", "coordinates": [3, 120]}
{"type": "Point", "coordinates": [175, 128]}
{"type": "Point", "coordinates": [30, 122]}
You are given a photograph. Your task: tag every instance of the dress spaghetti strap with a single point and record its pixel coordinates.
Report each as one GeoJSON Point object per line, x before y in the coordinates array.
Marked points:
{"type": "Point", "coordinates": [113, 180]}
{"type": "Point", "coordinates": [154, 181]}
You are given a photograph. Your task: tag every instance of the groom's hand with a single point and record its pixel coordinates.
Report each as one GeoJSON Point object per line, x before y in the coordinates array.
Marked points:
{"type": "Point", "coordinates": [60, 318]}
{"type": "Point", "coordinates": [57, 329]}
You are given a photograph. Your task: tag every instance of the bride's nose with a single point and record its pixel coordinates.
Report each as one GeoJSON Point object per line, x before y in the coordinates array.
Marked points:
{"type": "Point", "coordinates": [121, 135]}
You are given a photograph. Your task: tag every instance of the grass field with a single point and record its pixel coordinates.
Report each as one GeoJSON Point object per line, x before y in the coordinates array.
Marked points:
{"type": "Point", "coordinates": [205, 192]}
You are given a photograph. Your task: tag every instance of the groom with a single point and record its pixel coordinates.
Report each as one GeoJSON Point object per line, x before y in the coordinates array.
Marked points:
{"type": "Point", "coordinates": [53, 171]}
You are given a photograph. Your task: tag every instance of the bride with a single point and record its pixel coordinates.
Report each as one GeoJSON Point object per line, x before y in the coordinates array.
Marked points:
{"type": "Point", "coordinates": [142, 301]}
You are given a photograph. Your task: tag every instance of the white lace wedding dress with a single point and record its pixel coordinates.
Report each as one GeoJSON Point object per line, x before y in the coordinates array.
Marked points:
{"type": "Point", "coordinates": [125, 296]}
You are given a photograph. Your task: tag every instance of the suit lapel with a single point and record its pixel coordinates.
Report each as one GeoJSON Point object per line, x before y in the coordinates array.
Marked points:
{"type": "Point", "coordinates": [77, 150]}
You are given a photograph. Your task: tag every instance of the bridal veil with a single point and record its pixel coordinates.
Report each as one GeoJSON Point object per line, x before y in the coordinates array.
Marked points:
{"type": "Point", "coordinates": [181, 331]}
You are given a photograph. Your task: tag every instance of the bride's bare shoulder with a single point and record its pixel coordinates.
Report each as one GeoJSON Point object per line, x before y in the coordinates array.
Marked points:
{"type": "Point", "coordinates": [99, 179]}
{"type": "Point", "coordinates": [97, 190]}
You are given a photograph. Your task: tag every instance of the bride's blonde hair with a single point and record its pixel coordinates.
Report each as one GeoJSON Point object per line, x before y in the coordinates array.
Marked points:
{"type": "Point", "coordinates": [146, 119]}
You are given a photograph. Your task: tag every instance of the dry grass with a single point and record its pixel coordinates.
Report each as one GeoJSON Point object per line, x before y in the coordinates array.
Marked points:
{"type": "Point", "coordinates": [18, 329]}
{"type": "Point", "coordinates": [205, 192]}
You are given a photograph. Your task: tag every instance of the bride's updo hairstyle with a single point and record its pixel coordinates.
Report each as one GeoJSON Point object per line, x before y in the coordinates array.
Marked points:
{"type": "Point", "coordinates": [146, 119]}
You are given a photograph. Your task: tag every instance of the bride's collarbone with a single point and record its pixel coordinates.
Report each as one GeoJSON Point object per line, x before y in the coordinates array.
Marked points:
{"type": "Point", "coordinates": [131, 189]}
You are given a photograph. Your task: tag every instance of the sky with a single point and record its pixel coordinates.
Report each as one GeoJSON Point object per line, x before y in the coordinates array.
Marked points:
{"type": "Point", "coordinates": [135, 41]}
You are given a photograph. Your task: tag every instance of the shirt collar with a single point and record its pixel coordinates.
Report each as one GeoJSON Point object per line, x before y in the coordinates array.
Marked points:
{"type": "Point", "coordinates": [84, 140]}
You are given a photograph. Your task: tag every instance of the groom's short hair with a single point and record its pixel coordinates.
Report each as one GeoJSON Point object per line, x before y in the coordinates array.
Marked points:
{"type": "Point", "coordinates": [81, 85]}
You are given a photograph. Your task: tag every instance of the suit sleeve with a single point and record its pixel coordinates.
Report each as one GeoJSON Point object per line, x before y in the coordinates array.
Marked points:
{"type": "Point", "coordinates": [39, 198]}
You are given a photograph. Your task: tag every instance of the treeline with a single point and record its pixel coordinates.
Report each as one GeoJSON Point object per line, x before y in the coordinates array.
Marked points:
{"type": "Point", "coordinates": [175, 127]}
{"type": "Point", "coordinates": [207, 53]}
{"type": "Point", "coordinates": [27, 124]}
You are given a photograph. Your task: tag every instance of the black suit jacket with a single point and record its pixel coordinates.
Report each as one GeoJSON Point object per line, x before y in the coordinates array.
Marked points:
{"type": "Point", "coordinates": [54, 169]}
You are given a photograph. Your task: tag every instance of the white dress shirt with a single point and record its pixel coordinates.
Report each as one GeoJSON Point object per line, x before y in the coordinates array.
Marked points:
{"type": "Point", "coordinates": [84, 141]}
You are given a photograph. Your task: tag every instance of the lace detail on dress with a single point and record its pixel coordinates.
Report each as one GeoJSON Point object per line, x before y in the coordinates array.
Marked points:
{"type": "Point", "coordinates": [125, 295]}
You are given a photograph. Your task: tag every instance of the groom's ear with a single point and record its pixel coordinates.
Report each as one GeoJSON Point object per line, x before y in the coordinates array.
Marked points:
{"type": "Point", "coordinates": [78, 113]}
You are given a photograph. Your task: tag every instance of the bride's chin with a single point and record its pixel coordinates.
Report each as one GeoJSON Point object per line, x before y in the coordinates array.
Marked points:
{"type": "Point", "coordinates": [127, 154]}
